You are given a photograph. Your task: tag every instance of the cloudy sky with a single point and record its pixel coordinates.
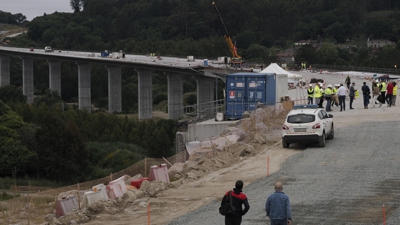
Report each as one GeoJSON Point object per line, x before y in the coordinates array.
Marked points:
{"type": "Point", "coordinates": [34, 8]}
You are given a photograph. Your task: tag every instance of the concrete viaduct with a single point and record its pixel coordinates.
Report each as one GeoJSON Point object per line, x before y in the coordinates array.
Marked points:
{"type": "Point", "coordinates": [174, 68]}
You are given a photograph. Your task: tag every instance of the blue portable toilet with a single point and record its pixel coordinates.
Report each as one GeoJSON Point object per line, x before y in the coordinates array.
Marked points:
{"type": "Point", "coordinates": [245, 90]}
{"type": "Point", "coordinates": [205, 62]}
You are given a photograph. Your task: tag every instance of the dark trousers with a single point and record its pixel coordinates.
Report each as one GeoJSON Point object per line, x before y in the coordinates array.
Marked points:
{"type": "Point", "coordinates": [321, 101]}
{"type": "Point", "coordinates": [233, 219]}
{"type": "Point", "coordinates": [383, 97]}
{"type": "Point", "coordinates": [279, 222]}
{"type": "Point", "coordinates": [342, 102]}
{"type": "Point", "coordinates": [310, 100]}
{"type": "Point", "coordinates": [351, 101]}
{"type": "Point", "coordinates": [389, 99]}
{"type": "Point", "coordinates": [366, 100]}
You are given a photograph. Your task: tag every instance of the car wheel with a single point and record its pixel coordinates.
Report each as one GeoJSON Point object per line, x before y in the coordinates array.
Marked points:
{"type": "Point", "coordinates": [332, 134]}
{"type": "Point", "coordinates": [321, 142]}
{"type": "Point", "coordinates": [285, 144]}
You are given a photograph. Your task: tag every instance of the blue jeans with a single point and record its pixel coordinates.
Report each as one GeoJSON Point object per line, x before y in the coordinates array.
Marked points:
{"type": "Point", "coordinates": [279, 222]}
{"type": "Point", "coordinates": [342, 102]}
{"type": "Point", "coordinates": [328, 104]}
{"type": "Point", "coordinates": [366, 100]}
{"type": "Point", "coordinates": [310, 100]}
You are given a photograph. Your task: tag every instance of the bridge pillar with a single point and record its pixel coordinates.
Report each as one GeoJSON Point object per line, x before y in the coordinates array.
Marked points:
{"type": "Point", "coordinates": [84, 89]}
{"type": "Point", "coordinates": [114, 89]}
{"type": "Point", "coordinates": [205, 95]}
{"type": "Point", "coordinates": [55, 76]}
{"type": "Point", "coordinates": [145, 82]}
{"type": "Point", "coordinates": [175, 96]}
{"type": "Point", "coordinates": [4, 70]}
{"type": "Point", "coordinates": [27, 79]}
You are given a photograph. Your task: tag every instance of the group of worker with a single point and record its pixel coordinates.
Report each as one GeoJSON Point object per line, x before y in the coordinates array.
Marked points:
{"type": "Point", "coordinates": [382, 91]}
{"type": "Point", "coordinates": [320, 94]}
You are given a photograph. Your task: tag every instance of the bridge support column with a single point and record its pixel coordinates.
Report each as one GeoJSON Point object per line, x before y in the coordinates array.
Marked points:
{"type": "Point", "coordinates": [145, 83]}
{"type": "Point", "coordinates": [114, 89]}
{"type": "Point", "coordinates": [84, 88]}
{"type": "Point", "coordinates": [4, 70]}
{"type": "Point", "coordinates": [27, 79]}
{"type": "Point", "coordinates": [55, 76]}
{"type": "Point", "coordinates": [205, 95]}
{"type": "Point", "coordinates": [175, 96]}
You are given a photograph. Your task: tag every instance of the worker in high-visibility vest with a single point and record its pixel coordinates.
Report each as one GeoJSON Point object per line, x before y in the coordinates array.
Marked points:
{"type": "Point", "coordinates": [310, 94]}
{"type": "Point", "coordinates": [328, 92]}
{"type": "Point", "coordinates": [321, 98]}
{"type": "Point", "coordinates": [383, 91]}
{"type": "Point", "coordinates": [317, 94]}
{"type": "Point", "coordinates": [335, 97]}
{"type": "Point", "coordinates": [394, 94]}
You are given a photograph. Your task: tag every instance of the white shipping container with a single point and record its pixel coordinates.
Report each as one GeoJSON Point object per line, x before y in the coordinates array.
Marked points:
{"type": "Point", "coordinates": [190, 58]}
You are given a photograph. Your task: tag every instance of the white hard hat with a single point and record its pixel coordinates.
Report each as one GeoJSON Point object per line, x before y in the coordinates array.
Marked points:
{"type": "Point", "coordinates": [310, 85]}
{"type": "Point", "coordinates": [329, 85]}
{"type": "Point", "coordinates": [337, 85]}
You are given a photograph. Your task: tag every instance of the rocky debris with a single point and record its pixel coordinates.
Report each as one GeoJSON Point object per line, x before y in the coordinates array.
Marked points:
{"type": "Point", "coordinates": [246, 138]}
{"type": "Point", "coordinates": [246, 114]}
{"type": "Point", "coordinates": [151, 189]}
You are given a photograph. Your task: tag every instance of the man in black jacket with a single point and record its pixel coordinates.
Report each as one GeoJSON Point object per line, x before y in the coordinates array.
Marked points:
{"type": "Point", "coordinates": [238, 199]}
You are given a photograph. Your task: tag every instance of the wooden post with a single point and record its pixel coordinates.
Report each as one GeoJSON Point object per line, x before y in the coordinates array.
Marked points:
{"type": "Point", "coordinates": [148, 213]}
{"type": "Point", "coordinates": [267, 166]}
{"type": "Point", "coordinates": [79, 199]}
{"type": "Point", "coordinates": [29, 201]}
{"type": "Point", "coordinates": [111, 177]}
{"type": "Point", "coordinates": [384, 214]}
{"type": "Point", "coordinates": [145, 167]}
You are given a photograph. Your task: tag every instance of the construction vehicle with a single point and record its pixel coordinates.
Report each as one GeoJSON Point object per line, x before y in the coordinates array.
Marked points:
{"type": "Point", "coordinates": [236, 59]}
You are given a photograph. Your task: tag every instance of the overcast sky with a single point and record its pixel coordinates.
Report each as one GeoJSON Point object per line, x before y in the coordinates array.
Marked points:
{"type": "Point", "coordinates": [34, 8]}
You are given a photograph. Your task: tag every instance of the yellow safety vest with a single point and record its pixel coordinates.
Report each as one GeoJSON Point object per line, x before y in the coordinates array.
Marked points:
{"type": "Point", "coordinates": [328, 92]}
{"type": "Point", "coordinates": [335, 90]}
{"type": "Point", "coordinates": [395, 90]}
{"type": "Point", "coordinates": [317, 92]}
{"type": "Point", "coordinates": [310, 92]}
{"type": "Point", "coordinates": [383, 87]}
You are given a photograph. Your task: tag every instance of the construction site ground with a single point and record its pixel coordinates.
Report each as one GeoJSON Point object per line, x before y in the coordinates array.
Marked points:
{"type": "Point", "coordinates": [175, 202]}
{"type": "Point", "coordinates": [221, 170]}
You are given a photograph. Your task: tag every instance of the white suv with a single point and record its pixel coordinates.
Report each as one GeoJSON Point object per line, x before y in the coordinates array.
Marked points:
{"type": "Point", "coordinates": [48, 49]}
{"type": "Point", "coordinates": [307, 124]}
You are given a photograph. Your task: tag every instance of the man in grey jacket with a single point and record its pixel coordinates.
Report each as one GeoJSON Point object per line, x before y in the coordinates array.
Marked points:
{"type": "Point", "coordinates": [352, 94]}
{"type": "Point", "coordinates": [278, 207]}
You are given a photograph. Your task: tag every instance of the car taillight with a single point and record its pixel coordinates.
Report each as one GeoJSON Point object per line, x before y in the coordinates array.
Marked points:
{"type": "Point", "coordinates": [284, 127]}
{"type": "Point", "coordinates": [316, 126]}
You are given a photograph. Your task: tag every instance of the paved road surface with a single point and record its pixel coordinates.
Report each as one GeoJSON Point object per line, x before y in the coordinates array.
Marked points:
{"type": "Point", "coordinates": [344, 183]}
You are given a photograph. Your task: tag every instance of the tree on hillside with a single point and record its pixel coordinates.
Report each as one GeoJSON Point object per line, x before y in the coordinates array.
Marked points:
{"type": "Point", "coordinates": [61, 149]}
{"type": "Point", "coordinates": [15, 156]}
{"type": "Point", "coordinates": [76, 5]}
{"type": "Point", "coordinates": [11, 93]}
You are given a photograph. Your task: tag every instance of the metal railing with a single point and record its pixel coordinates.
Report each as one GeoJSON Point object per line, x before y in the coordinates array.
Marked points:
{"type": "Point", "coordinates": [393, 71]}
{"type": "Point", "coordinates": [206, 109]}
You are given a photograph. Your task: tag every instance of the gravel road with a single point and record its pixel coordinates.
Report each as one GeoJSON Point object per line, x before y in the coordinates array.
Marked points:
{"type": "Point", "coordinates": [347, 182]}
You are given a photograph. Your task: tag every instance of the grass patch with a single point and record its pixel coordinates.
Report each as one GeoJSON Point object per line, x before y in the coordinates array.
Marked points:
{"type": "Point", "coordinates": [6, 196]}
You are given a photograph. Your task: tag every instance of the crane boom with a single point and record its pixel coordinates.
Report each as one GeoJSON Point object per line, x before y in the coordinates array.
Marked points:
{"type": "Point", "coordinates": [236, 59]}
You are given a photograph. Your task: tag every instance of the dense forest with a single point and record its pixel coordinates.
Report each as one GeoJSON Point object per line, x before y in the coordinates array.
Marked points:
{"type": "Point", "coordinates": [49, 137]}
{"type": "Point", "coordinates": [49, 140]}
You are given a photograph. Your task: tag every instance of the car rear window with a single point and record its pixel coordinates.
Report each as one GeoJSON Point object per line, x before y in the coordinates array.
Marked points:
{"type": "Point", "coordinates": [301, 118]}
